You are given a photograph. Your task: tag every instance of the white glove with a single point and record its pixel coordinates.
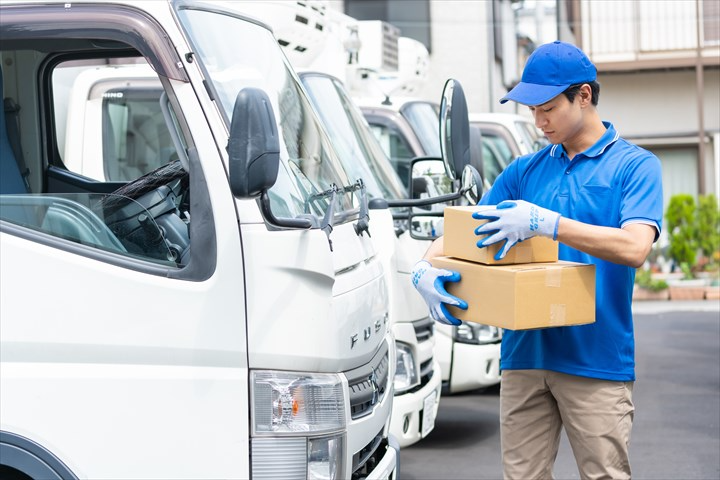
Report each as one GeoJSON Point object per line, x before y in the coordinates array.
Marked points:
{"type": "Point", "coordinates": [514, 221]}
{"type": "Point", "coordinates": [430, 282]}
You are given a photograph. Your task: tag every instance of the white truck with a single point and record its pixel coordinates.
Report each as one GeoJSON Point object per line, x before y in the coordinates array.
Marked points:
{"type": "Point", "coordinates": [310, 35]}
{"type": "Point", "coordinates": [505, 136]}
{"type": "Point", "coordinates": [129, 95]}
{"type": "Point", "coordinates": [201, 309]}
{"type": "Point", "coordinates": [376, 65]}
{"type": "Point", "coordinates": [383, 83]}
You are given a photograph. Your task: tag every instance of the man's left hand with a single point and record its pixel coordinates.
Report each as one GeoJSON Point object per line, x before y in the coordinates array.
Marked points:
{"type": "Point", "coordinates": [514, 221]}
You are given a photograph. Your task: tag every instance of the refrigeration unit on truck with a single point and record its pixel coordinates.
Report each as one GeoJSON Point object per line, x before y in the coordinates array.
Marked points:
{"type": "Point", "coordinates": [204, 305]}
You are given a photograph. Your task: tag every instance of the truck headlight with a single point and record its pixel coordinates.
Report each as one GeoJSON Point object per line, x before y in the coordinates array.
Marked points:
{"type": "Point", "coordinates": [296, 403]}
{"type": "Point", "coordinates": [406, 374]}
{"type": "Point", "coordinates": [476, 333]}
{"type": "Point", "coordinates": [298, 425]}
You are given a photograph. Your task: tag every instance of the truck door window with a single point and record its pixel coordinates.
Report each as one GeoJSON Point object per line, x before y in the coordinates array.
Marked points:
{"type": "Point", "coordinates": [118, 101]}
{"type": "Point", "coordinates": [108, 183]}
{"type": "Point", "coordinates": [109, 127]}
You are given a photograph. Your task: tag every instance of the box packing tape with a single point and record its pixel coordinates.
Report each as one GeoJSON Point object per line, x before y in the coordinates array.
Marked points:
{"type": "Point", "coordinates": [553, 277]}
{"type": "Point", "coordinates": [557, 315]}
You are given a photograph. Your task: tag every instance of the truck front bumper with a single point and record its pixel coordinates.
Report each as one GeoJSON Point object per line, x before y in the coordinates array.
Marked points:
{"type": "Point", "coordinates": [474, 366]}
{"type": "Point", "coordinates": [409, 419]}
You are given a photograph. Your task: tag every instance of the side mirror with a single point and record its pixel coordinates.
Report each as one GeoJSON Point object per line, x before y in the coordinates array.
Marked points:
{"type": "Point", "coordinates": [425, 221]}
{"type": "Point", "coordinates": [254, 145]}
{"type": "Point", "coordinates": [471, 185]}
{"type": "Point", "coordinates": [454, 129]}
{"type": "Point", "coordinates": [429, 179]}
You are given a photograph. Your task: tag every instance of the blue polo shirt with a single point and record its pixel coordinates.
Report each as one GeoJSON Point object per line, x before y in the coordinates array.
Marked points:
{"type": "Point", "coordinates": [613, 183]}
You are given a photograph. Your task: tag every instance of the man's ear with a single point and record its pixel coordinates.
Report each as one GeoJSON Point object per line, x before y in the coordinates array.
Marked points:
{"type": "Point", "coordinates": [585, 94]}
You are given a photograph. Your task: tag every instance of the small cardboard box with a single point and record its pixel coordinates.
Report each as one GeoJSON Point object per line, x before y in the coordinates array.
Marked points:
{"type": "Point", "coordinates": [520, 297]}
{"type": "Point", "coordinates": [460, 241]}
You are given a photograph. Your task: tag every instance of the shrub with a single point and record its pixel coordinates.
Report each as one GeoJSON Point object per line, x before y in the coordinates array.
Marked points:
{"type": "Point", "coordinates": [682, 232]}
{"type": "Point", "coordinates": [644, 279]}
{"type": "Point", "coordinates": [708, 226]}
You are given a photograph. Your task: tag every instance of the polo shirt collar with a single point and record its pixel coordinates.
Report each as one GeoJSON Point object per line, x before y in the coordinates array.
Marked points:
{"type": "Point", "coordinates": [609, 137]}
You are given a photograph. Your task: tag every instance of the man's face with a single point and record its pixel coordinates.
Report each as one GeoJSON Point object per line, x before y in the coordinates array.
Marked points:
{"type": "Point", "coordinates": [559, 119]}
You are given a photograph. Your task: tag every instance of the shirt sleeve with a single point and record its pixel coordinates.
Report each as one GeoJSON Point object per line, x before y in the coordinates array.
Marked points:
{"type": "Point", "coordinates": [642, 195]}
{"type": "Point", "coordinates": [505, 186]}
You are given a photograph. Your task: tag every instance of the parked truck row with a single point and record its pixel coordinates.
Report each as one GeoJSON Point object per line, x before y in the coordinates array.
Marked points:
{"type": "Point", "coordinates": [223, 289]}
{"type": "Point", "coordinates": [203, 308]}
{"type": "Point", "coordinates": [222, 219]}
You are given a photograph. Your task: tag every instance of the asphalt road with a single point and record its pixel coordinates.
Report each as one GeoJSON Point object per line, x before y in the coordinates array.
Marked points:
{"type": "Point", "coordinates": [676, 432]}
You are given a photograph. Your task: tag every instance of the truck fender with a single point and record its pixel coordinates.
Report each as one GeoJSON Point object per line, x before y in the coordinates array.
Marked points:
{"type": "Point", "coordinates": [31, 459]}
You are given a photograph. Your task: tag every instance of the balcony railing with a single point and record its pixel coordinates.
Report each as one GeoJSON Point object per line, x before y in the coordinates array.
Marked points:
{"type": "Point", "coordinates": [649, 33]}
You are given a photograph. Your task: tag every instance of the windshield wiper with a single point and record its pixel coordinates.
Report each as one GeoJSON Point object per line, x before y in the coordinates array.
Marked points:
{"type": "Point", "coordinates": [363, 223]}
{"type": "Point", "coordinates": [326, 224]}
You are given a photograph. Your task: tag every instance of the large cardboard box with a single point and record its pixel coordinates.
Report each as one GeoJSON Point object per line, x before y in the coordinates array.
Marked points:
{"type": "Point", "coordinates": [460, 241]}
{"type": "Point", "coordinates": [520, 297]}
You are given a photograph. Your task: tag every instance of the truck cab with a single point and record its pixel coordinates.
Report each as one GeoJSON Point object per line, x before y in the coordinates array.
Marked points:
{"type": "Point", "coordinates": [373, 64]}
{"type": "Point", "coordinates": [203, 284]}
{"type": "Point", "coordinates": [313, 37]}
{"type": "Point", "coordinates": [407, 129]}
{"type": "Point", "coordinates": [417, 381]}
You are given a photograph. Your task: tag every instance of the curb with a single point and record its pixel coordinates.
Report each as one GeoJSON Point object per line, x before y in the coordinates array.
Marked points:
{"type": "Point", "coordinates": [660, 306]}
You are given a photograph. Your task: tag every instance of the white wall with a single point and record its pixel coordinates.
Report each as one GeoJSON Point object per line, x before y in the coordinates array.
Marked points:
{"type": "Point", "coordinates": [460, 49]}
{"type": "Point", "coordinates": [651, 103]}
{"type": "Point", "coordinates": [664, 106]}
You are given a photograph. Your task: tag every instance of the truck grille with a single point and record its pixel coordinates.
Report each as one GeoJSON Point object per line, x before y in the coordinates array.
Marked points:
{"type": "Point", "coordinates": [424, 329]}
{"type": "Point", "coordinates": [368, 383]}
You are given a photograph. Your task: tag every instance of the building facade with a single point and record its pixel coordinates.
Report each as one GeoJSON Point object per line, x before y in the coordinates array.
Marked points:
{"type": "Point", "coordinates": [658, 64]}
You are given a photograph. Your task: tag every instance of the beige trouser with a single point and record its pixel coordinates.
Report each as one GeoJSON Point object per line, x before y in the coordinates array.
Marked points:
{"type": "Point", "coordinates": [597, 416]}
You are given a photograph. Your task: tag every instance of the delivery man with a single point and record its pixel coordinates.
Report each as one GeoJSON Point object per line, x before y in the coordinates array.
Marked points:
{"type": "Point", "coordinates": [601, 197]}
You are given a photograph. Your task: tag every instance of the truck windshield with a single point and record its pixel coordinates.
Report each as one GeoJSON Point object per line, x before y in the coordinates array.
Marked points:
{"type": "Point", "coordinates": [425, 122]}
{"type": "Point", "coordinates": [359, 151]}
{"type": "Point", "coordinates": [235, 53]}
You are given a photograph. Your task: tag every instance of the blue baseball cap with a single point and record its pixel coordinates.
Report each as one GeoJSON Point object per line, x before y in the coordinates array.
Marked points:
{"type": "Point", "coordinates": [549, 71]}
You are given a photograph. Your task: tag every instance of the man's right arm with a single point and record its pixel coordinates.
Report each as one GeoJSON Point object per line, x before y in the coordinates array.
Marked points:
{"type": "Point", "coordinates": [436, 249]}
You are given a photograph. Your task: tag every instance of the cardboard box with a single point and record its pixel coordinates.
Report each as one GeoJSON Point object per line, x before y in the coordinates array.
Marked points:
{"type": "Point", "coordinates": [460, 241]}
{"type": "Point", "coordinates": [520, 297]}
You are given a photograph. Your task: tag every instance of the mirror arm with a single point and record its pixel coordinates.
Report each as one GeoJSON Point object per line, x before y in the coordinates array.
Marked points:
{"type": "Point", "coordinates": [363, 223]}
{"type": "Point", "coordinates": [422, 202]}
{"type": "Point", "coordinates": [419, 159]}
{"type": "Point", "coordinates": [408, 215]}
{"type": "Point", "coordinates": [299, 223]}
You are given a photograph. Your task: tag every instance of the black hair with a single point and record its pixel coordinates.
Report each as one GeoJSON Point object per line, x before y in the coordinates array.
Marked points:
{"type": "Point", "coordinates": [572, 91]}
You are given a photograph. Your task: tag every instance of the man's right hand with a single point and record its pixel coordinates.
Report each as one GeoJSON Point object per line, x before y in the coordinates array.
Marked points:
{"type": "Point", "coordinates": [430, 282]}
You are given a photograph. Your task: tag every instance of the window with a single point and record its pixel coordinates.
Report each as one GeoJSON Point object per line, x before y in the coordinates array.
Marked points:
{"type": "Point", "coordinates": [711, 22]}
{"type": "Point", "coordinates": [424, 119]}
{"type": "Point", "coordinates": [397, 150]}
{"type": "Point", "coordinates": [120, 182]}
{"type": "Point", "coordinates": [119, 103]}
